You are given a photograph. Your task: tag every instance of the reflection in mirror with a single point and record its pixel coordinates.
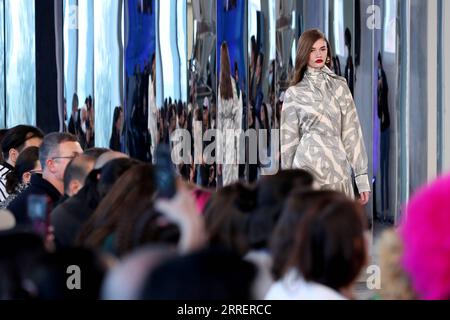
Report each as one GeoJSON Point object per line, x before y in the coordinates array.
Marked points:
{"type": "Point", "coordinates": [232, 89]}
{"type": "Point", "coordinates": [93, 64]}
{"type": "Point", "coordinates": [285, 41]}
{"type": "Point", "coordinates": [108, 64]}
{"type": "Point", "coordinates": [79, 70]}
{"type": "Point", "coordinates": [342, 39]}
{"type": "Point", "coordinates": [140, 22]}
{"type": "Point", "coordinates": [201, 110]}
{"type": "Point", "coordinates": [262, 108]}
{"type": "Point", "coordinates": [385, 130]}
{"type": "Point", "coordinates": [171, 75]}
{"type": "Point", "coordinates": [20, 66]}
{"type": "Point", "coordinates": [85, 73]}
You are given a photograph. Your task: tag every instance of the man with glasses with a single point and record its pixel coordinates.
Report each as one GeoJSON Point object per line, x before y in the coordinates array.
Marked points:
{"type": "Point", "coordinates": [56, 151]}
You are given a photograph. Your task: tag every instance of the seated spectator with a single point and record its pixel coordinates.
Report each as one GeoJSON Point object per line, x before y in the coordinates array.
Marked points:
{"type": "Point", "coordinates": [283, 239]}
{"type": "Point", "coordinates": [329, 251]}
{"type": "Point", "coordinates": [19, 177]}
{"type": "Point", "coordinates": [14, 142]}
{"type": "Point", "coordinates": [18, 250]}
{"type": "Point", "coordinates": [111, 227]}
{"type": "Point", "coordinates": [425, 232]}
{"type": "Point", "coordinates": [76, 173]}
{"type": "Point", "coordinates": [272, 192]}
{"type": "Point", "coordinates": [48, 277]}
{"type": "Point", "coordinates": [68, 217]}
{"type": "Point", "coordinates": [95, 152]}
{"type": "Point", "coordinates": [125, 280]}
{"type": "Point", "coordinates": [108, 156]}
{"type": "Point", "coordinates": [227, 216]}
{"type": "Point", "coordinates": [56, 151]}
{"type": "Point", "coordinates": [208, 274]}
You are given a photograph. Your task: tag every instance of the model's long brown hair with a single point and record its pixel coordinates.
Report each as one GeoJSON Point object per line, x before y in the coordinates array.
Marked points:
{"type": "Point", "coordinates": [305, 44]}
{"type": "Point", "coordinates": [226, 87]}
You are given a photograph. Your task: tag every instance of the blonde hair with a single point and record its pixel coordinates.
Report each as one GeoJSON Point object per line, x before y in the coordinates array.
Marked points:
{"type": "Point", "coordinates": [395, 283]}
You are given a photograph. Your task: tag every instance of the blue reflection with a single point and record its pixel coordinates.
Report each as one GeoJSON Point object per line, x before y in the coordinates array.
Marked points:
{"type": "Point", "coordinates": [231, 28]}
{"type": "Point", "coordinates": [20, 63]}
{"type": "Point", "coordinates": [141, 35]}
{"type": "Point", "coordinates": [138, 56]}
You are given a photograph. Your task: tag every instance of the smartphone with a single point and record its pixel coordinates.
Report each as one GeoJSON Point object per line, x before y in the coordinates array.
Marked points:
{"type": "Point", "coordinates": [37, 212]}
{"type": "Point", "coordinates": [165, 172]}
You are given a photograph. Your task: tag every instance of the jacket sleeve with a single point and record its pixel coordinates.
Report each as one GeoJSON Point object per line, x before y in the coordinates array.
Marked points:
{"type": "Point", "coordinates": [290, 130]}
{"type": "Point", "coordinates": [353, 141]}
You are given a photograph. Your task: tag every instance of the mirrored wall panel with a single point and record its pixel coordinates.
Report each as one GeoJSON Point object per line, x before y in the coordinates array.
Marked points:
{"type": "Point", "coordinates": [202, 92]}
{"type": "Point", "coordinates": [78, 45]}
{"type": "Point", "coordinates": [140, 45]}
{"type": "Point", "coordinates": [170, 111]}
{"type": "Point", "coordinates": [286, 38]}
{"type": "Point", "coordinates": [20, 65]}
{"type": "Point", "coordinates": [262, 114]}
{"type": "Point", "coordinates": [108, 65]}
{"type": "Point", "coordinates": [232, 94]}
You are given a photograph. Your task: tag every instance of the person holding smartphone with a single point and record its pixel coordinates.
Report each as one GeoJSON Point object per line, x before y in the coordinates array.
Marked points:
{"type": "Point", "coordinates": [55, 153]}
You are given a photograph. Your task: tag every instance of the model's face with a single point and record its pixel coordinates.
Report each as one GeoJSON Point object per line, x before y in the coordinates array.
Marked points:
{"type": "Point", "coordinates": [318, 55]}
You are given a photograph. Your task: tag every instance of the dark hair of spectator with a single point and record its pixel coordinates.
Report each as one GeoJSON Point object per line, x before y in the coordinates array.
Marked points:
{"type": "Point", "coordinates": [25, 163]}
{"type": "Point", "coordinates": [16, 137]}
{"type": "Point", "coordinates": [330, 246]}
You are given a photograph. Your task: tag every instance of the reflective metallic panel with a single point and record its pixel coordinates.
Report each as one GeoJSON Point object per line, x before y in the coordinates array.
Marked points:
{"type": "Point", "coordinates": [20, 63]}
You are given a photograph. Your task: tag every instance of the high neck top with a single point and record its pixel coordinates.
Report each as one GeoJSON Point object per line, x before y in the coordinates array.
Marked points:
{"type": "Point", "coordinates": [322, 73]}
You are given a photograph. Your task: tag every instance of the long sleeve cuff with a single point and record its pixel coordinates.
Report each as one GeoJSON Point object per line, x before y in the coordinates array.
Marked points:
{"type": "Point", "coordinates": [362, 182]}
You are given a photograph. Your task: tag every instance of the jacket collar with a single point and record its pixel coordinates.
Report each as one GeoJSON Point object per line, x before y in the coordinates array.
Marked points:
{"type": "Point", "coordinates": [7, 165]}
{"type": "Point", "coordinates": [316, 72]}
{"type": "Point", "coordinates": [39, 182]}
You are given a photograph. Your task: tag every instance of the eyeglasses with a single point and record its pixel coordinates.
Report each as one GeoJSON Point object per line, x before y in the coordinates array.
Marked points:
{"type": "Point", "coordinates": [65, 157]}
{"type": "Point", "coordinates": [35, 171]}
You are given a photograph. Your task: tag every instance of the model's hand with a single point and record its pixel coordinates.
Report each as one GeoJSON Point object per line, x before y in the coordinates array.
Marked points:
{"type": "Point", "coordinates": [364, 198]}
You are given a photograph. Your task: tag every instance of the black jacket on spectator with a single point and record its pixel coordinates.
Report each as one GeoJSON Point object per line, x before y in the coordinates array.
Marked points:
{"type": "Point", "coordinates": [38, 186]}
{"type": "Point", "coordinates": [69, 216]}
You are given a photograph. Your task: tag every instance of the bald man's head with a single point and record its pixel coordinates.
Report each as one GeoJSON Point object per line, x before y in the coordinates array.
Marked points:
{"type": "Point", "coordinates": [108, 156]}
{"type": "Point", "coordinates": [76, 173]}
